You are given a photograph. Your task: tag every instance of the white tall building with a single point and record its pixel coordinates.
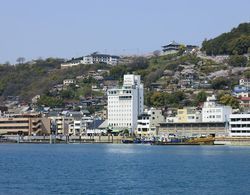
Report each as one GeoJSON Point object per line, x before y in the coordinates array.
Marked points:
{"type": "Point", "coordinates": [125, 104]}
{"type": "Point", "coordinates": [213, 112]}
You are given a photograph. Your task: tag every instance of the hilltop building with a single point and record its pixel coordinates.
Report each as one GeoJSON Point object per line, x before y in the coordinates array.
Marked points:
{"type": "Point", "coordinates": [170, 48]}
{"type": "Point", "coordinates": [174, 47]}
{"type": "Point", "coordinates": [73, 62]}
{"type": "Point", "coordinates": [125, 104]}
{"type": "Point", "coordinates": [93, 58]}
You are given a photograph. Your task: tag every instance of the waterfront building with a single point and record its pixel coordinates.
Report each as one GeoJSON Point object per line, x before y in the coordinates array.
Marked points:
{"type": "Point", "coordinates": [26, 124]}
{"type": "Point", "coordinates": [239, 125]}
{"type": "Point", "coordinates": [61, 123]}
{"type": "Point", "coordinates": [213, 112]}
{"type": "Point", "coordinates": [188, 114]}
{"type": "Point", "coordinates": [147, 122]}
{"type": "Point", "coordinates": [125, 104]}
{"type": "Point", "coordinates": [190, 129]}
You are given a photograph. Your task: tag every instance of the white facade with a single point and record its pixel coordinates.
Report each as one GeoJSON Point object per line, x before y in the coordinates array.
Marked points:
{"type": "Point", "coordinates": [147, 122]}
{"type": "Point", "coordinates": [126, 104]}
{"type": "Point", "coordinates": [77, 127]}
{"type": "Point", "coordinates": [239, 125]}
{"type": "Point", "coordinates": [72, 63]}
{"type": "Point", "coordinates": [87, 60]}
{"type": "Point", "coordinates": [245, 82]}
{"type": "Point", "coordinates": [69, 81]}
{"type": "Point", "coordinates": [92, 59]}
{"type": "Point", "coordinates": [100, 58]}
{"type": "Point", "coordinates": [213, 112]}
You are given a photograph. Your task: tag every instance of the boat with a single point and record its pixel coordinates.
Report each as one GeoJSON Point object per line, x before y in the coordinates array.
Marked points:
{"type": "Point", "coordinates": [126, 141]}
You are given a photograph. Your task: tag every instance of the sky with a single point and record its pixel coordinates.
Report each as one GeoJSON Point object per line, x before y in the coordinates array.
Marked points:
{"type": "Point", "coordinates": [73, 28]}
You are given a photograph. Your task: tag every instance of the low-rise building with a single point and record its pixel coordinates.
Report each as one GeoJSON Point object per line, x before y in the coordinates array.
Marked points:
{"type": "Point", "coordinates": [239, 125]}
{"type": "Point", "coordinates": [61, 123]}
{"type": "Point", "coordinates": [67, 82]}
{"type": "Point", "coordinates": [245, 82]}
{"type": "Point", "coordinates": [147, 122]}
{"type": "Point", "coordinates": [73, 62]}
{"type": "Point", "coordinates": [189, 114]}
{"type": "Point", "coordinates": [244, 102]}
{"type": "Point", "coordinates": [213, 112]}
{"type": "Point", "coordinates": [192, 129]}
{"type": "Point", "coordinates": [26, 124]}
{"type": "Point", "coordinates": [241, 94]}
{"type": "Point", "coordinates": [93, 58]}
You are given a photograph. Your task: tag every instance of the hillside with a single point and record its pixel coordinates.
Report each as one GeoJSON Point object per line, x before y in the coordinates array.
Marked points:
{"type": "Point", "coordinates": [29, 79]}
{"type": "Point", "coordinates": [237, 41]}
{"type": "Point", "coordinates": [169, 71]}
{"type": "Point", "coordinates": [173, 79]}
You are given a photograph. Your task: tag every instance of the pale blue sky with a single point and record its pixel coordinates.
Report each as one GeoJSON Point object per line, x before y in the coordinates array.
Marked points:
{"type": "Point", "coordinates": [68, 28]}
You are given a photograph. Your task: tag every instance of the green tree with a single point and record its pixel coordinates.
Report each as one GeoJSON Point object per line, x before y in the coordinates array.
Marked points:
{"type": "Point", "coordinates": [117, 72]}
{"type": "Point", "coordinates": [20, 60]}
{"type": "Point", "coordinates": [138, 63]}
{"type": "Point", "coordinates": [50, 101]}
{"type": "Point", "coordinates": [201, 97]}
{"type": "Point", "coordinates": [229, 100]}
{"type": "Point", "coordinates": [220, 83]}
{"type": "Point", "coordinates": [237, 41]}
{"type": "Point", "coordinates": [237, 61]}
{"type": "Point", "coordinates": [247, 74]}
{"type": "Point", "coordinates": [158, 99]}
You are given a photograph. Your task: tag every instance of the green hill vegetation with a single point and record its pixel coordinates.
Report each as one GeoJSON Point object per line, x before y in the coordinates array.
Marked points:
{"type": "Point", "coordinates": [39, 77]}
{"type": "Point", "coordinates": [29, 79]}
{"type": "Point", "coordinates": [237, 41]}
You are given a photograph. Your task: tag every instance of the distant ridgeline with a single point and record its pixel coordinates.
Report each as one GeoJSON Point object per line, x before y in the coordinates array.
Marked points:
{"type": "Point", "coordinates": [235, 42]}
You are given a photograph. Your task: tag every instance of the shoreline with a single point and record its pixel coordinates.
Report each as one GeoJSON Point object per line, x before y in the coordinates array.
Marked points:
{"type": "Point", "coordinates": [231, 141]}
{"type": "Point", "coordinates": [152, 144]}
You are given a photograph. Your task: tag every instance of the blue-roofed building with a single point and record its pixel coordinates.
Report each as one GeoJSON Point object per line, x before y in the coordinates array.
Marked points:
{"type": "Point", "coordinates": [240, 89]}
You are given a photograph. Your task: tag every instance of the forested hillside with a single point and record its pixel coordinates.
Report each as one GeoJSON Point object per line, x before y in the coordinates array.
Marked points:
{"type": "Point", "coordinates": [237, 41]}
{"type": "Point", "coordinates": [29, 79]}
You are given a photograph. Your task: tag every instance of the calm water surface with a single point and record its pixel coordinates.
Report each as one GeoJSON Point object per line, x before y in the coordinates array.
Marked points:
{"type": "Point", "coordinates": [123, 169]}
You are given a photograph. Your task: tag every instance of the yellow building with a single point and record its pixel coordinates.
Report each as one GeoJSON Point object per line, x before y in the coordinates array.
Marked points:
{"type": "Point", "coordinates": [188, 114]}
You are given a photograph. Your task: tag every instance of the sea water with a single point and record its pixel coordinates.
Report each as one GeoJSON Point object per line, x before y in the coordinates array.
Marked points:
{"type": "Point", "coordinates": [123, 169]}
